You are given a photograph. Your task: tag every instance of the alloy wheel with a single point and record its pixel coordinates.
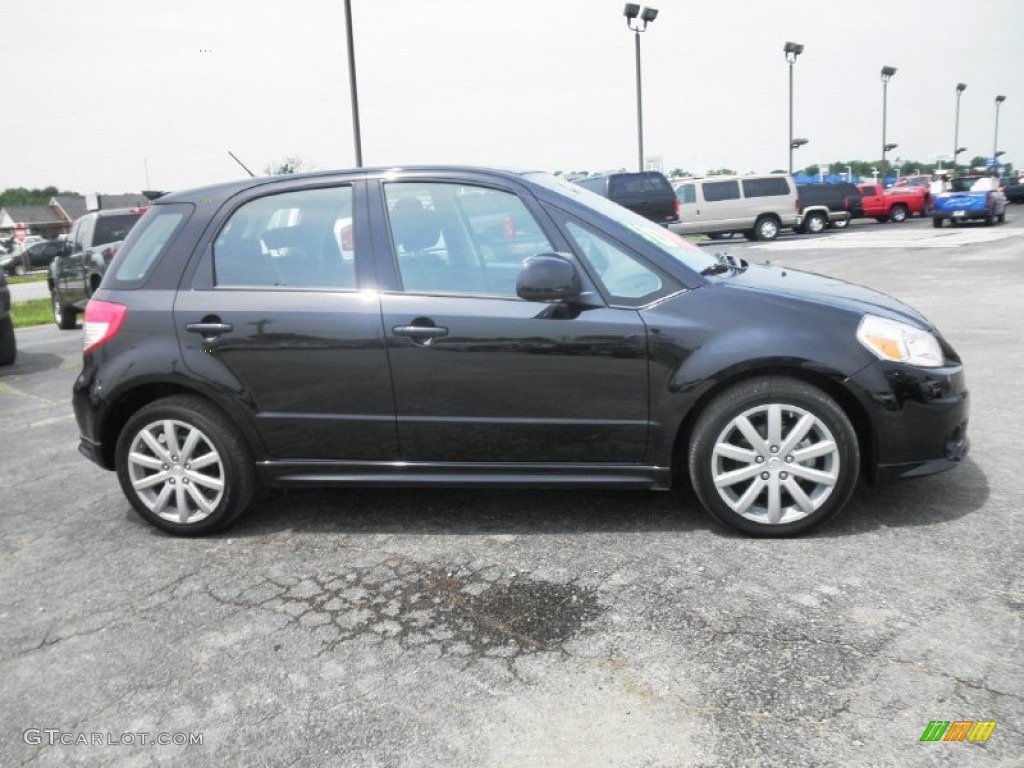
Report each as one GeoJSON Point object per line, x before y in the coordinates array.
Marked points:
{"type": "Point", "coordinates": [775, 464]}
{"type": "Point", "coordinates": [176, 471]}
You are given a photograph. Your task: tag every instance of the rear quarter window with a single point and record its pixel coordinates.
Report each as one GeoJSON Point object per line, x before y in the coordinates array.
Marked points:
{"type": "Point", "coordinates": [721, 190]}
{"type": "Point", "coordinates": [147, 241]}
{"type": "Point", "coordinates": [114, 228]}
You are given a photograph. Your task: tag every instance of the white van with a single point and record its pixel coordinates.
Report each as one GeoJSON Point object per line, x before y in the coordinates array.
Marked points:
{"type": "Point", "coordinates": [758, 207]}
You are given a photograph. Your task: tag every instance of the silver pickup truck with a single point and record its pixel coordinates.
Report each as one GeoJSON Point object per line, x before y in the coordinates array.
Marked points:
{"type": "Point", "coordinates": [76, 272]}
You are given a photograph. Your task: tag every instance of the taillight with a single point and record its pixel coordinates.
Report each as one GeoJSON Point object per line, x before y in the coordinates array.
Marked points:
{"type": "Point", "coordinates": [102, 321]}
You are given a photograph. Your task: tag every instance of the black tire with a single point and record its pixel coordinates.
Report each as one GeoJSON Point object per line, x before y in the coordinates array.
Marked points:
{"type": "Point", "coordinates": [766, 228]}
{"type": "Point", "coordinates": [937, 222]}
{"type": "Point", "coordinates": [235, 469]}
{"type": "Point", "coordinates": [815, 223]}
{"type": "Point", "coordinates": [898, 214]}
{"type": "Point", "coordinates": [749, 234]}
{"type": "Point", "coordinates": [64, 316]}
{"type": "Point", "coordinates": [19, 269]}
{"type": "Point", "coordinates": [716, 422]}
{"type": "Point", "coordinates": [8, 344]}
{"type": "Point", "coordinates": [840, 223]}
{"type": "Point", "coordinates": [716, 235]}
{"type": "Point", "coordinates": [881, 219]}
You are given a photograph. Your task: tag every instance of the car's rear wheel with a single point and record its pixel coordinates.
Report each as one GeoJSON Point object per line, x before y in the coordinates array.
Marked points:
{"type": "Point", "coordinates": [840, 223]}
{"type": "Point", "coordinates": [766, 228]}
{"type": "Point", "coordinates": [19, 269]}
{"type": "Point", "coordinates": [8, 344]}
{"type": "Point", "coordinates": [774, 456]}
{"type": "Point", "coordinates": [898, 214]}
{"type": "Point", "coordinates": [64, 316]}
{"type": "Point", "coordinates": [815, 223]}
{"type": "Point", "coordinates": [184, 466]}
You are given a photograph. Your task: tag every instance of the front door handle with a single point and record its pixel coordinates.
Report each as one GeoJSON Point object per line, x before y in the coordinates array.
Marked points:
{"type": "Point", "coordinates": [420, 331]}
{"type": "Point", "coordinates": [209, 331]}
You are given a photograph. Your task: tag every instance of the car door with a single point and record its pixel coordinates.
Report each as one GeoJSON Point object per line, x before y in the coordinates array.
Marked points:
{"type": "Point", "coordinates": [872, 200]}
{"type": "Point", "coordinates": [275, 319]}
{"type": "Point", "coordinates": [72, 266]}
{"type": "Point", "coordinates": [479, 374]}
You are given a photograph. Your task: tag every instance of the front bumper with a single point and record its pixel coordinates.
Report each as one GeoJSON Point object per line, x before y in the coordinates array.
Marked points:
{"type": "Point", "coordinates": [918, 416]}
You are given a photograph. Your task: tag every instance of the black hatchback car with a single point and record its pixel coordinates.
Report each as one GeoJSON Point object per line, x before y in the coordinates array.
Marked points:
{"type": "Point", "coordinates": [461, 326]}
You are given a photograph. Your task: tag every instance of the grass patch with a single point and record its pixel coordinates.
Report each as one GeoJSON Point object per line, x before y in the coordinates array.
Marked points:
{"type": "Point", "coordinates": [38, 278]}
{"type": "Point", "coordinates": [31, 312]}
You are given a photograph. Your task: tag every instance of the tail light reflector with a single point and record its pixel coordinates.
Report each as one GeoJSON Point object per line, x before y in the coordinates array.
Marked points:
{"type": "Point", "coordinates": [102, 322]}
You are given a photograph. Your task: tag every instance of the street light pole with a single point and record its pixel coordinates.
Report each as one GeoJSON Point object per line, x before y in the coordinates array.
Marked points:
{"type": "Point", "coordinates": [646, 16]}
{"type": "Point", "coordinates": [960, 88]}
{"type": "Point", "coordinates": [792, 50]}
{"type": "Point", "coordinates": [995, 141]}
{"type": "Point", "coordinates": [887, 73]}
{"type": "Point", "coordinates": [353, 91]}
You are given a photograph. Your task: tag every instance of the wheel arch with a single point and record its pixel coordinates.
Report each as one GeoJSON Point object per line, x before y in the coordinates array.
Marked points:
{"type": "Point", "coordinates": [129, 401]}
{"type": "Point", "coordinates": [833, 388]}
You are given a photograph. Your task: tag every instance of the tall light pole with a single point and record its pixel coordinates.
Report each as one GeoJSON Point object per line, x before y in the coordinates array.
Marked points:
{"type": "Point", "coordinates": [960, 88]}
{"type": "Point", "coordinates": [353, 91]}
{"type": "Point", "coordinates": [647, 15]}
{"type": "Point", "coordinates": [792, 50]}
{"type": "Point", "coordinates": [887, 73]}
{"type": "Point", "coordinates": [995, 141]}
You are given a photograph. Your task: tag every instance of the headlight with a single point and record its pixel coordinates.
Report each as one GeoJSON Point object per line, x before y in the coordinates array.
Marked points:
{"type": "Point", "coordinates": [899, 342]}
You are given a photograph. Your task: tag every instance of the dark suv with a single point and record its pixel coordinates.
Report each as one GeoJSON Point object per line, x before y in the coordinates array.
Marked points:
{"type": "Point", "coordinates": [648, 193]}
{"type": "Point", "coordinates": [837, 197]}
{"type": "Point", "coordinates": [460, 326]}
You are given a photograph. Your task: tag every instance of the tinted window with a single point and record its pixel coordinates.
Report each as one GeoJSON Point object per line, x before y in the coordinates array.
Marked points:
{"type": "Point", "coordinates": [457, 238]}
{"type": "Point", "coordinates": [110, 229]}
{"type": "Point", "coordinates": [686, 193]}
{"type": "Point", "coordinates": [721, 190]}
{"type": "Point", "coordinates": [765, 187]}
{"type": "Point", "coordinates": [625, 278]}
{"type": "Point", "coordinates": [301, 239]}
{"type": "Point", "coordinates": [147, 241]}
{"type": "Point", "coordinates": [637, 184]}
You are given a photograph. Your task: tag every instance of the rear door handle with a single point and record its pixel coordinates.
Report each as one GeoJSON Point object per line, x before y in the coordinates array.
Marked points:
{"type": "Point", "coordinates": [420, 331]}
{"type": "Point", "coordinates": [209, 330]}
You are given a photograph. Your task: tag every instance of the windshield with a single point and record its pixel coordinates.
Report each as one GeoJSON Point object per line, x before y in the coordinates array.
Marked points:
{"type": "Point", "coordinates": [668, 242]}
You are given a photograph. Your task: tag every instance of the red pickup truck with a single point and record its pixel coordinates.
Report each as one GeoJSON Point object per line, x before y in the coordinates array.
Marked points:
{"type": "Point", "coordinates": [893, 204]}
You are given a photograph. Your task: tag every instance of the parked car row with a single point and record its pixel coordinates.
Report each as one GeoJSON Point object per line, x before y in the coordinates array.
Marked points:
{"type": "Point", "coordinates": [27, 258]}
{"type": "Point", "coordinates": [759, 207]}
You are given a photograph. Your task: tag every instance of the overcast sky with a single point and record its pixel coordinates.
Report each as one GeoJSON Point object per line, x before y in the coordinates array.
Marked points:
{"type": "Point", "coordinates": [92, 88]}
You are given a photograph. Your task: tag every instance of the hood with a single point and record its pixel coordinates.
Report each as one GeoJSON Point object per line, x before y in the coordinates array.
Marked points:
{"type": "Point", "coordinates": [828, 291]}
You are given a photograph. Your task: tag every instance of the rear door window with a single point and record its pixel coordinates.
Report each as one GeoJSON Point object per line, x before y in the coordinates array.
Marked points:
{"type": "Point", "coordinates": [300, 239]}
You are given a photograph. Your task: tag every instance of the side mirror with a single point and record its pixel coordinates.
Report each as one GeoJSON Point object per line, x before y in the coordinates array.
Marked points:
{"type": "Point", "coordinates": [548, 277]}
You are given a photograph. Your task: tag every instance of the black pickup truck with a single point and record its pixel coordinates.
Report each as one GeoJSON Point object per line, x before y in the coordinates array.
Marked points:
{"type": "Point", "coordinates": [76, 272]}
{"type": "Point", "coordinates": [648, 193]}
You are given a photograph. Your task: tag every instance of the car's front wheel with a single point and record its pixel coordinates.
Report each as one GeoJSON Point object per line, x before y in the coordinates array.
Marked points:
{"type": "Point", "coordinates": [774, 456]}
{"type": "Point", "coordinates": [766, 228]}
{"type": "Point", "coordinates": [898, 214]}
{"type": "Point", "coordinates": [184, 466]}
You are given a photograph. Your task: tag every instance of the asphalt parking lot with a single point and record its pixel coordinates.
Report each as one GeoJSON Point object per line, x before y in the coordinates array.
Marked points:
{"type": "Point", "coordinates": [475, 628]}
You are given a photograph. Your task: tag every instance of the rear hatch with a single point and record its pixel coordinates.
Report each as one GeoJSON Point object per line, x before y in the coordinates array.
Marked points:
{"type": "Point", "coordinates": [649, 193]}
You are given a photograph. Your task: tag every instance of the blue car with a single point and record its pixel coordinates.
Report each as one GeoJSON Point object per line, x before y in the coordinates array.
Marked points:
{"type": "Point", "coordinates": [970, 197]}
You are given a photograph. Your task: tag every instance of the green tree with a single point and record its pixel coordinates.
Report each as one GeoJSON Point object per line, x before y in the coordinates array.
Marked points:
{"type": "Point", "coordinates": [287, 166]}
{"type": "Point", "coordinates": [677, 173]}
{"type": "Point", "coordinates": [812, 170]}
{"type": "Point", "coordinates": [23, 196]}
{"type": "Point", "coordinates": [978, 161]}
{"type": "Point", "coordinates": [721, 172]}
